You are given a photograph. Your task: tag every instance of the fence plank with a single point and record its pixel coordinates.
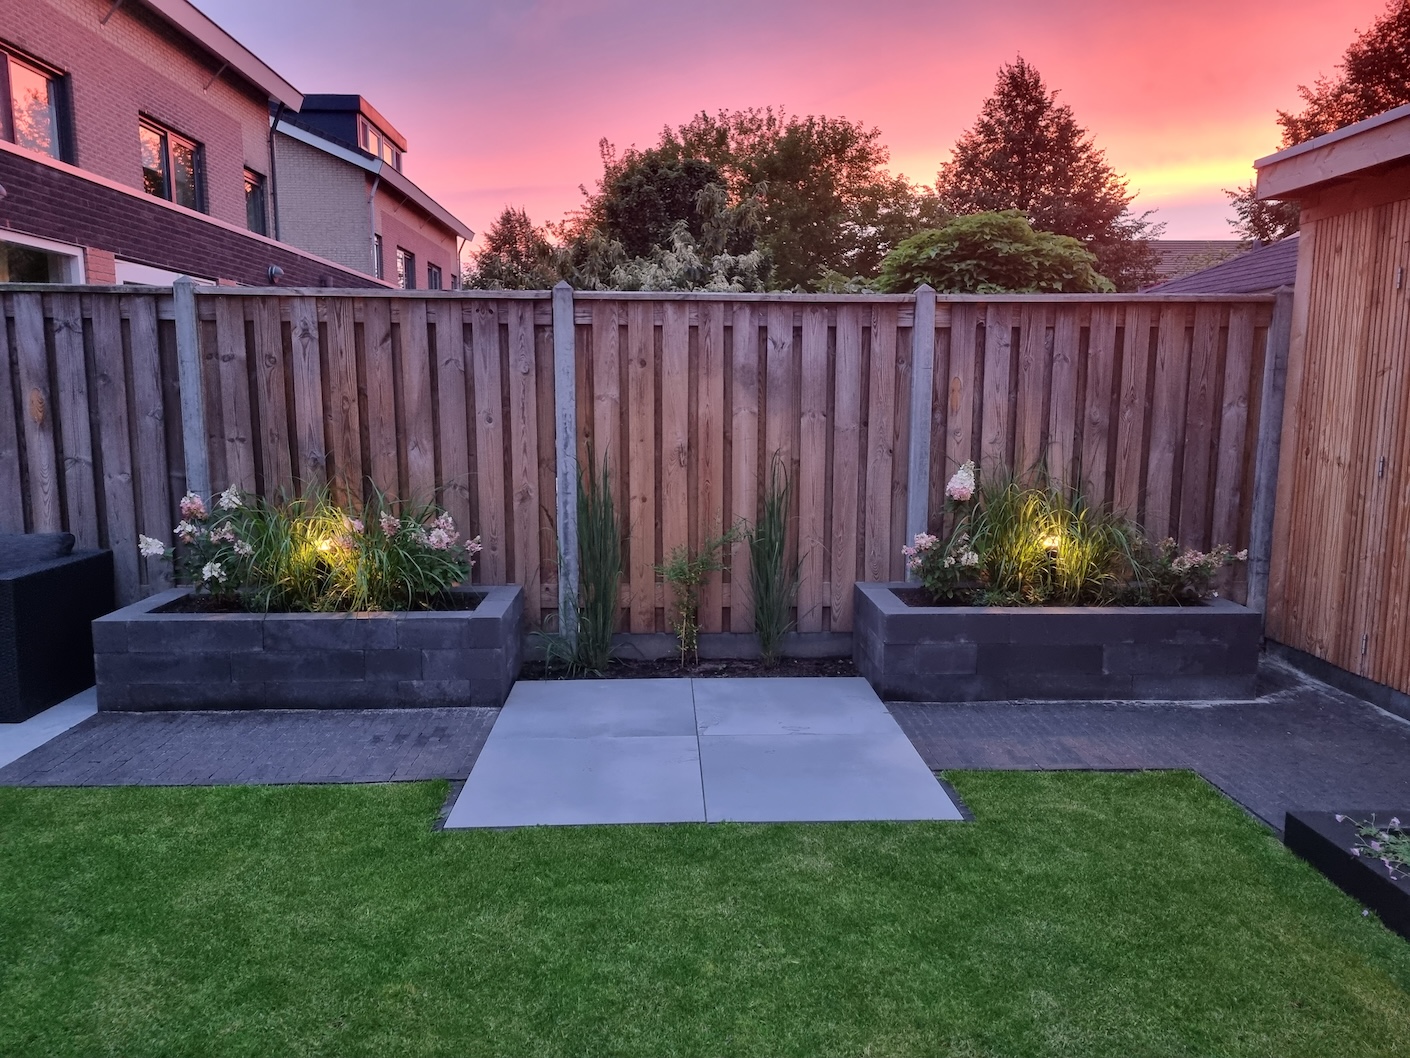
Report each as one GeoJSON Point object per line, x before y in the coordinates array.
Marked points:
{"type": "Point", "coordinates": [881, 426]}
{"type": "Point", "coordinates": [417, 420]}
{"type": "Point", "coordinates": [641, 465]}
{"type": "Point", "coordinates": [524, 453]}
{"type": "Point", "coordinates": [710, 446]}
{"type": "Point", "coordinates": [675, 427]}
{"type": "Point", "coordinates": [1062, 401]}
{"type": "Point", "coordinates": [1230, 486]}
{"type": "Point", "coordinates": [744, 461]}
{"type": "Point", "coordinates": [1198, 445]}
{"type": "Point", "coordinates": [75, 432]}
{"type": "Point", "coordinates": [1032, 400]}
{"type": "Point", "coordinates": [995, 423]}
{"type": "Point", "coordinates": [342, 416]}
{"type": "Point", "coordinates": [153, 486]}
{"type": "Point", "coordinates": [812, 470]}
{"type": "Point", "coordinates": [37, 410]}
{"type": "Point", "coordinates": [846, 463]}
{"type": "Point", "coordinates": [960, 393]}
{"type": "Point", "coordinates": [379, 398]}
{"type": "Point", "coordinates": [450, 403]}
{"type": "Point", "coordinates": [1172, 372]}
{"type": "Point", "coordinates": [1131, 416]}
{"type": "Point", "coordinates": [115, 444]}
{"type": "Point", "coordinates": [234, 382]}
{"type": "Point", "coordinates": [1102, 358]}
{"type": "Point", "coordinates": [607, 400]}
{"type": "Point", "coordinates": [489, 444]}
{"type": "Point", "coordinates": [11, 486]}
{"type": "Point", "coordinates": [271, 410]}
{"type": "Point", "coordinates": [307, 368]}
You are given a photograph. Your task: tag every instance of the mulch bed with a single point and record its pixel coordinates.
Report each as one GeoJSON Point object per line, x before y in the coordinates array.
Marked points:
{"type": "Point", "coordinates": [667, 668]}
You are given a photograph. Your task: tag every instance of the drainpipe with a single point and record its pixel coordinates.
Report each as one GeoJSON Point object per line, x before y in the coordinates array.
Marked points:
{"type": "Point", "coordinates": [273, 173]}
{"type": "Point", "coordinates": [372, 218]}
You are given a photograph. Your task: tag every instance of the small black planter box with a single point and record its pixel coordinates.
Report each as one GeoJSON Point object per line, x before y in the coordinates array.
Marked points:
{"type": "Point", "coordinates": [976, 654]}
{"type": "Point", "coordinates": [145, 660]}
{"type": "Point", "coordinates": [1326, 844]}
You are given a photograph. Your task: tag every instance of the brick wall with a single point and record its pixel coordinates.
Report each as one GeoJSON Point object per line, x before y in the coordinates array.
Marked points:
{"type": "Point", "coordinates": [401, 224]}
{"type": "Point", "coordinates": [53, 203]}
{"type": "Point", "coordinates": [323, 204]}
{"type": "Point", "coordinates": [134, 64]}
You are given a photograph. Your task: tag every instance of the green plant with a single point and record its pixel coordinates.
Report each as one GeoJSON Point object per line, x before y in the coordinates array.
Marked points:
{"type": "Point", "coordinates": [1167, 576]}
{"type": "Point", "coordinates": [1385, 842]}
{"type": "Point", "coordinates": [685, 571]}
{"type": "Point", "coordinates": [773, 583]}
{"type": "Point", "coordinates": [309, 555]}
{"type": "Point", "coordinates": [599, 566]}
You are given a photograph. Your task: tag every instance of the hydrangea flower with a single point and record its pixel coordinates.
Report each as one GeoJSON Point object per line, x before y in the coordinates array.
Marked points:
{"type": "Point", "coordinates": [147, 547]}
{"type": "Point", "coordinates": [192, 506]}
{"type": "Point", "coordinates": [390, 523]}
{"type": "Point", "coordinates": [212, 571]}
{"type": "Point", "coordinates": [243, 549]}
{"type": "Point", "coordinates": [187, 531]}
{"type": "Point", "coordinates": [229, 499]}
{"type": "Point", "coordinates": [961, 485]}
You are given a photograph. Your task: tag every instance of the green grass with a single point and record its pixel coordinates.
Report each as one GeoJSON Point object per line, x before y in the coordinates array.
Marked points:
{"type": "Point", "coordinates": [1082, 914]}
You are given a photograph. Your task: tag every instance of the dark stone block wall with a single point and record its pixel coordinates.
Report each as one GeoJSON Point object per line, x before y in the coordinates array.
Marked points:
{"type": "Point", "coordinates": [149, 661]}
{"type": "Point", "coordinates": [967, 654]}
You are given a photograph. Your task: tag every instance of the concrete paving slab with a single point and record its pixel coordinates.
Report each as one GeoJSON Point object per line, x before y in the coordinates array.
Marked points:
{"type": "Point", "coordinates": [795, 706]}
{"type": "Point", "coordinates": [818, 778]}
{"type": "Point", "coordinates": [28, 735]}
{"type": "Point", "coordinates": [540, 781]}
{"type": "Point", "coordinates": [597, 709]}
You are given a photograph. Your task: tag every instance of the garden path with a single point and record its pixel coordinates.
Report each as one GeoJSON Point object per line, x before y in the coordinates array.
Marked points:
{"type": "Point", "coordinates": [696, 750]}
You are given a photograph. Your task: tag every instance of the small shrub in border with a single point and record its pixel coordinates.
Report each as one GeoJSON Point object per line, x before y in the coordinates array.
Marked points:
{"type": "Point", "coordinates": [1387, 843]}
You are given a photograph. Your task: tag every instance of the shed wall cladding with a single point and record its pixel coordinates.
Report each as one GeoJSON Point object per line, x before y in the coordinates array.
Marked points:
{"type": "Point", "coordinates": [1340, 586]}
{"type": "Point", "coordinates": [132, 65]}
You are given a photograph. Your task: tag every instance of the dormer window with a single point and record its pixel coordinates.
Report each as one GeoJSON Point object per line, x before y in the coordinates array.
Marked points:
{"type": "Point", "coordinates": [371, 140]}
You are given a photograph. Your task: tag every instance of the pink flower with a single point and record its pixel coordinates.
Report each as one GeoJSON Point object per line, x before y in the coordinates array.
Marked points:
{"type": "Point", "coordinates": [474, 547]}
{"type": "Point", "coordinates": [439, 539]}
{"type": "Point", "coordinates": [192, 506]}
{"type": "Point", "coordinates": [390, 523]}
{"type": "Point", "coordinates": [355, 524]}
{"type": "Point", "coordinates": [961, 486]}
{"type": "Point", "coordinates": [187, 532]}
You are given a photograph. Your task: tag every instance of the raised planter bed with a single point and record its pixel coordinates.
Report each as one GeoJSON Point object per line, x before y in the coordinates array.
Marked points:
{"type": "Point", "coordinates": [147, 658]}
{"type": "Point", "coordinates": [1326, 844]}
{"type": "Point", "coordinates": [967, 653]}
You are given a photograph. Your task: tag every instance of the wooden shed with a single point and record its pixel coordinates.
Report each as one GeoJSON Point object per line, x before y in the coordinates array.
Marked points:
{"type": "Point", "coordinates": [1339, 586]}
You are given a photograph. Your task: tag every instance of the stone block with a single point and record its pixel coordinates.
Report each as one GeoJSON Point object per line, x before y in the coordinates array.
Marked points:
{"type": "Point", "coordinates": [437, 692]}
{"type": "Point", "coordinates": [1007, 659]}
{"type": "Point", "coordinates": [169, 633]}
{"type": "Point", "coordinates": [151, 667]}
{"type": "Point", "coordinates": [399, 664]}
{"type": "Point", "coordinates": [947, 658]}
{"type": "Point", "coordinates": [286, 666]}
{"type": "Point", "coordinates": [330, 632]}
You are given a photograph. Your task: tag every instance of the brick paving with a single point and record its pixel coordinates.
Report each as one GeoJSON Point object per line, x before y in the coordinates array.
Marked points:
{"type": "Point", "coordinates": [1301, 745]}
{"type": "Point", "coordinates": [264, 746]}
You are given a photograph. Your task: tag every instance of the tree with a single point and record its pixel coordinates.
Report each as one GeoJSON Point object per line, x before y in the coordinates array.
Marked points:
{"type": "Point", "coordinates": [992, 253]}
{"type": "Point", "coordinates": [516, 256]}
{"type": "Point", "coordinates": [1374, 78]}
{"type": "Point", "coordinates": [1027, 152]}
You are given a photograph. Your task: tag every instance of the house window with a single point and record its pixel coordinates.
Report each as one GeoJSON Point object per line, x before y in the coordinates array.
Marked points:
{"type": "Point", "coordinates": [255, 218]}
{"type": "Point", "coordinates": [33, 112]}
{"type": "Point", "coordinates": [455, 282]}
{"type": "Point", "coordinates": [371, 140]}
{"type": "Point", "coordinates": [378, 269]}
{"type": "Point", "coordinates": [406, 269]}
{"type": "Point", "coordinates": [39, 261]}
{"type": "Point", "coordinates": [171, 166]}
{"type": "Point", "coordinates": [433, 277]}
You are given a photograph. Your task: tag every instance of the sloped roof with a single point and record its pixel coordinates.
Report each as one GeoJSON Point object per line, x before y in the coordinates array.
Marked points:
{"type": "Point", "coordinates": [1255, 272]}
{"type": "Point", "coordinates": [1178, 257]}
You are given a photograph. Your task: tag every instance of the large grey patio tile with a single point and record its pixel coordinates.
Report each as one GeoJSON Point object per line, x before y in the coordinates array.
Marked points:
{"type": "Point", "coordinates": [800, 706]}
{"type": "Point", "coordinates": [816, 778]}
{"type": "Point", "coordinates": [596, 709]}
{"type": "Point", "coordinates": [18, 739]}
{"type": "Point", "coordinates": [566, 781]}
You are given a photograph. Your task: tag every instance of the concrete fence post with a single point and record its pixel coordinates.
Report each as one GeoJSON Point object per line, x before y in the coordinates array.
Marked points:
{"type": "Point", "coordinates": [1270, 435]}
{"type": "Point", "coordinates": [565, 430]}
{"type": "Point", "coordinates": [922, 384]}
{"type": "Point", "coordinates": [189, 380]}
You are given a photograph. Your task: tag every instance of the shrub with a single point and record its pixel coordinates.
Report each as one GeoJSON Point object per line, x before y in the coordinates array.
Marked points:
{"type": "Point", "coordinates": [772, 583]}
{"type": "Point", "coordinates": [309, 555]}
{"type": "Point", "coordinates": [599, 566]}
{"type": "Point", "coordinates": [685, 571]}
{"type": "Point", "coordinates": [1168, 576]}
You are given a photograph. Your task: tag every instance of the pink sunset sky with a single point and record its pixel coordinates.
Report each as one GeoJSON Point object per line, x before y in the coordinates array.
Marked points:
{"type": "Point", "coordinates": [504, 103]}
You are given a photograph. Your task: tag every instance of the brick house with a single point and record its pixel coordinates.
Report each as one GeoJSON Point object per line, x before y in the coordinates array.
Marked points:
{"type": "Point", "coordinates": [137, 144]}
{"type": "Point", "coordinates": [342, 195]}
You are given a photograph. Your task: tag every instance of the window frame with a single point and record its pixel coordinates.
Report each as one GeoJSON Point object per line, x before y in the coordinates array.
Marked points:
{"type": "Point", "coordinates": [59, 100]}
{"type": "Point", "coordinates": [198, 168]}
{"type": "Point", "coordinates": [379, 265]}
{"type": "Point", "coordinates": [406, 269]}
{"type": "Point", "coordinates": [376, 143]}
{"type": "Point", "coordinates": [434, 276]}
{"type": "Point", "coordinates": [261, 186]}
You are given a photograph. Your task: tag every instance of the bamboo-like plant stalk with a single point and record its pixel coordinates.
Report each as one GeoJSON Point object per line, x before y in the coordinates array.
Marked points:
{"type": "Point", "coordinates": [772, 581]}
{"type": "Point", "coordinates": [599, 565]}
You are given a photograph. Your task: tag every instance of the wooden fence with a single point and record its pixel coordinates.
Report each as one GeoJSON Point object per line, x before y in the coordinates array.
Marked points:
{"type": "Point", "coordinates": [1151, 402]}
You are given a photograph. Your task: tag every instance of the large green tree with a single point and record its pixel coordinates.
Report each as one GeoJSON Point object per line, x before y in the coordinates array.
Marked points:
{"type": "Point", "coordinates": [516, 255]}
{"type": "Point", "coordinates": [1374, 77]}
{"type": "Point", "coordinates": [1027, 152]}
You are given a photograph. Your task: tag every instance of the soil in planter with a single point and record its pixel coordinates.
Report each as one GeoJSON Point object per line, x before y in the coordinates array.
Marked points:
{"type": "Point", "coordinates": [667, 668]}
{"type": "Point", "coordinates": [921, 597]}
{"type": "Point", "coordinates": [202, 603]}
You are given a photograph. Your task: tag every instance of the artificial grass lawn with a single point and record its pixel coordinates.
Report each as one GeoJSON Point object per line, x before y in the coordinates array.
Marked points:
{"type": "Point", "coordinates": [1083, 913]}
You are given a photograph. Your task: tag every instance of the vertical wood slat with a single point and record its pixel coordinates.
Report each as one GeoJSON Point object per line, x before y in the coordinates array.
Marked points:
{"type": "Point", "coordinates": [342, 417]}
{"type": "Point", "coordinates": [114, 439]}
{"type": "Point", "coordinates": [192, 387]}
{"type": "Point", "coordinates": [11, 486]}
{"type": "Point", "coordinates": [995, 423]}
{"type": "Point", "coordinates": [812, 469]}
{"type": "Point", "coordinates": [1231, 489]}
{"type": "Point", "coordinates": [710, 427]}
{"type": "Point", "coordinates": [744, 440]}
{"type": "Point", "coordinates": [675, 428]}
{"type": "Point", "coordinates": [232, 377]}
{"type": "Point", "coordinates": [271, 405]}
{"type": "Point", "coordinates": [452, 437]}
{"type": "Point", "coordinates": [417, 438]}
{"type": "Point", "coordinates": [1102, 355]}
{"type": "Point", "coordinates": [960, 389]}
{"type": "Point", "coordinates": [382, 470]}
{"type": "Point", "coordinates": [1202, 390]}
{"type": "Point", "coordinates": [922, 399]}
{"type": "Point", "coordinates": [311, 467]}
{"type": "Point", "coordinates": [641, 465]}
{"type": "Point", "coordinates": [1132, 411]}
{"type": "Point", "coordinates": [75, 432]}
{"type": "Point", "coordinates": [881, 411]}
{"type": "Point", "coordinates": [1062, 400]}
{"type": "Point", "coordinates": [563, 345]}
{"type": "Point", "coordinates": [489, 444]}
{"type": "Point", "coordinates": [149, 431]}
{"type": "Point", "coordinates": [37, 404]}
{"type": "Point", "coordinates": [1032, 404]}
{"type": "Point", "coordinates": [1167, 421]}
{"type": "Point", "coordinates": [846, 445]}
{"type": "Point", "coordinates": [524, 453]}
